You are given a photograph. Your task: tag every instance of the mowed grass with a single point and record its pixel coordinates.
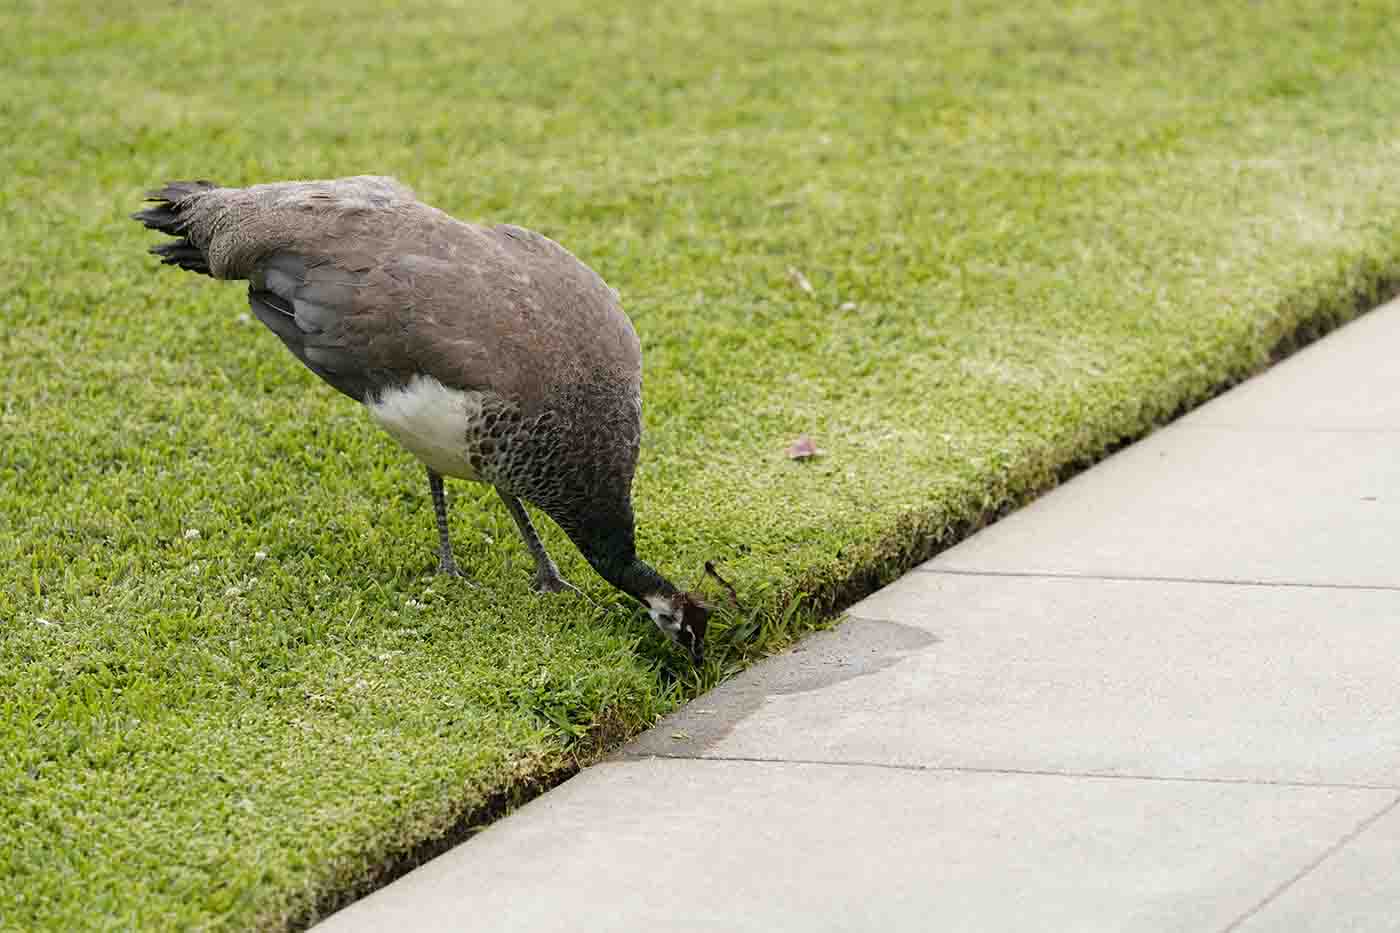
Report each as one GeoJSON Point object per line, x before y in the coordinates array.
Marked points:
{"type": "Point", "coordinates": [231, 691]}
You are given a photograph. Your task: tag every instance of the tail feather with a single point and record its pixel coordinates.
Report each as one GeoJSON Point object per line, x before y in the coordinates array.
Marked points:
{"type": "Point", "coordinates": [184, 254]}
{"type": "Point", "coordinates": [168, 216]}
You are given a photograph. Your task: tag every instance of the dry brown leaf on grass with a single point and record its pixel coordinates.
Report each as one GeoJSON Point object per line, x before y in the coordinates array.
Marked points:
{"type": "Point", "coordinates": [803, 448]}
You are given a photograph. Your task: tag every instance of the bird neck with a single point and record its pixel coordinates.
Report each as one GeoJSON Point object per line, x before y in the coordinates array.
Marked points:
{"type": "Point", "coordinates": [636, 578]}
{"type": "Point", "coordinates": [615, 558]}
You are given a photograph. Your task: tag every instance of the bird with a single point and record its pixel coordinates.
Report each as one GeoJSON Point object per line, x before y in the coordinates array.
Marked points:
{"type": "Point", "coordinates": [489, 352]}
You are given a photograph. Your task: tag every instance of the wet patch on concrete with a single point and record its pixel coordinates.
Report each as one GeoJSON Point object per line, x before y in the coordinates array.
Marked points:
{"type": "Point", "coordinates": [856, 648]}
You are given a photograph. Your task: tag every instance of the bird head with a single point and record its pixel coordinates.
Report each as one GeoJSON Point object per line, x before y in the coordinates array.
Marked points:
{"type": "Point", "coordinates": [683, 617]}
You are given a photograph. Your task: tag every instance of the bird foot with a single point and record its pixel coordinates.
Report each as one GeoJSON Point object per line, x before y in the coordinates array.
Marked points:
{"type": "Point", "coordinates": [552, 583]}
{"type": "Point", "coordinates": [448, 567]}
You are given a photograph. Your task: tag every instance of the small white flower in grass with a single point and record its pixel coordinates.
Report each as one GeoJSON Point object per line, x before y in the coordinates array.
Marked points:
{"type": "Point", "coordinates": [848, 306]}
{"type": "Point", "coordinates": [244, 318]}
{"type": "Point", "coordinates": [191, 534]}
{"type": "Point", "coordinates": [415, 604]}
{"type": "Point", "coordinates": [42, 621]}
{"type": "Point", "coordinates": [260, 556]}
{"type": "Point", "coordinates": [796, 277]}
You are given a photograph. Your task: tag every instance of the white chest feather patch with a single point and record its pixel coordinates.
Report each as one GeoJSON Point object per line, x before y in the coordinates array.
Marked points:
{"type": "Point", "coordinates": [432, 421]}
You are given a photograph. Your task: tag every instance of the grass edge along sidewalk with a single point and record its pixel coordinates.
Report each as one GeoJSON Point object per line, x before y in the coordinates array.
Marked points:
{"type": "Point", "coordinates": [916, 539]}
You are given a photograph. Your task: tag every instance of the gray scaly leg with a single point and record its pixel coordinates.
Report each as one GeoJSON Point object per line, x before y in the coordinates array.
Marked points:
{"type": "Point", "coordinates": [547, 579]}
{"type": "Point", "coordinates": [446, 564]}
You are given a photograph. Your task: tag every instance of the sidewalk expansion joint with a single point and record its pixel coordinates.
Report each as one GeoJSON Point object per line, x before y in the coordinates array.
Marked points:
{"type": "Point", "coordinates": [1136, 578]}
{"type": "Point", "coordinates": [1280, 429]}
{"type": "Point", "coordinates": [1312, 866]}
{"type": "Point", "coordinates": [1015, 772]}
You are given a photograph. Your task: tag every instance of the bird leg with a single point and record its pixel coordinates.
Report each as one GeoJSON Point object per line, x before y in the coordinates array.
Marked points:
{"type": "Point", "coordinates": [446, 563]}
{"type": "Point", "coordinates": [547, 578]}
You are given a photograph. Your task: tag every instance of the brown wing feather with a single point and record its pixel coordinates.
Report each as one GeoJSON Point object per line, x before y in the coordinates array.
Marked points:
{"type": "Point", "coordinates": [389, 286]}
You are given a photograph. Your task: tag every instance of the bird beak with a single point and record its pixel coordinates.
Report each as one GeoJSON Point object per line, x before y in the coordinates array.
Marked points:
{"type": "Point", "coordinates": [697, 654]}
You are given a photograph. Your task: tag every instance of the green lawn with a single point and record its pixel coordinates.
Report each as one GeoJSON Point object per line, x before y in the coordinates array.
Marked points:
{"type": "Point", "coordinates": [231, 692]}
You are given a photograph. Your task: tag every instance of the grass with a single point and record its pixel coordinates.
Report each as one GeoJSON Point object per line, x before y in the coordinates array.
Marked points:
{"type": "Point", "coordinates": [230, 692]}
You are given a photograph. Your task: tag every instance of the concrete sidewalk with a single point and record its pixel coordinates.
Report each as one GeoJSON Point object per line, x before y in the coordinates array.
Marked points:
{"type": "Point", "coordinates": [1164, 697]}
